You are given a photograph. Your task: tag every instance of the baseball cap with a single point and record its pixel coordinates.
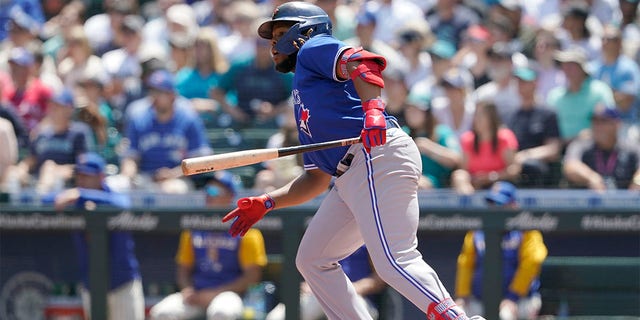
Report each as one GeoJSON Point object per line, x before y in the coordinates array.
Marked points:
{"type": "Point", "coordinates": [525, 73]}
{"type": "Point", "coordinates": [21, 56]}
{"type": "Point", "coordinates": [457, 78]}
{"type": "Point", "coordinates": [511, 5]}
{"type": "Point", "coordinates": [577, 8]}
{"type": "Point", "coordinates": [90, 163]}
{"type": "Point", "coordinates": [227, 179]}
{"type": "Point", "coordinates": [611, 31]}
{"type": "Point", "coordinates": [366, 16]}
{"type": "Point", "coordinates": [121, 6]}
{"type": "Point", "coordinates": [501, 193]}
{"type": "Point", "coordinates": [421, 99]}
{"type": "Point", "coordinates": [574, 54]}
{"type": "Point", "coordinates": [132, 23]}
{"type": "Point", "coordinates": [501, 50]}
{"type": "Point", "coordinates": [63, 97]}
{"type": "Point", "coordinates": [602, 111]}
{"type": "Point", "coordinates": [161, 80]}
{"type": "Point", "coordinates": [442, 49]}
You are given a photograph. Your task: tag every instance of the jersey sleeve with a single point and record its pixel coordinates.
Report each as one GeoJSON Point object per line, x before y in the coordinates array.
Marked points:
{"type": "Point", "coordinates": [308, 163]}
{"type": "Point", "coordinates": [320, 55]}
{"type": "Point", "coordinates": [252, 250]}
{"type": "Point", "coordinates": [466, 142]}
{"type": "Point", "coordinates": [466, 264]}
{"type": "Point", "coordinates": [531, 255]}
{"type": "Point", "coordinates": [448, 138]}
{"type": "Point", "coordinates": [576, 149]}
{"type": "Point", "coordinates": [186, 255]}
{"type": "Point", "coordinates": [508, 138]}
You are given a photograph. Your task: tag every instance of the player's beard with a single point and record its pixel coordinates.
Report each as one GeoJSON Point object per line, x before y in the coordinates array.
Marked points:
{"type": "Point", "coordinates": [287, 65]}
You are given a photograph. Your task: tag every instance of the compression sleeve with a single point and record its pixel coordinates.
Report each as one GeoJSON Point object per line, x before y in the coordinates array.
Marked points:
{"type": "Point", "coordinates": [186, 255]}
{"type": "Point", "coordinates": [466, 264]}
{"type": "Point", "coordinates": [532, 254]}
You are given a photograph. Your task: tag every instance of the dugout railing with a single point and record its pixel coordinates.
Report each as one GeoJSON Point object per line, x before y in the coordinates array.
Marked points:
{"type": "Point", "coordinates": [291, 222]}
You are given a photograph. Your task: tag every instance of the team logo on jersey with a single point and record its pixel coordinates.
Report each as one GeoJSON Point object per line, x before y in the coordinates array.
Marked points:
{"type": "Point", "coordinates": [304, 120]}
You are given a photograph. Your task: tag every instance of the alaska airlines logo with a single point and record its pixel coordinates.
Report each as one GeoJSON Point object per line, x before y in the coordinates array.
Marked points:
{"type": "Point", "coordinates": [304, 120]}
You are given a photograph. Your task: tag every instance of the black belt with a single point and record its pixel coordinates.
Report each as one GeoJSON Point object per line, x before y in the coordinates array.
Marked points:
{"type": "Point", "coordinates": [345, 163]}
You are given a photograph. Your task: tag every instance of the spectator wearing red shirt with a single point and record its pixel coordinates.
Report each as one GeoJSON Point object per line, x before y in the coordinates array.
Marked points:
{"type": "Point", "coordinates": [488, 152]}
{"type": "Point", "coordinates": [26, 93]}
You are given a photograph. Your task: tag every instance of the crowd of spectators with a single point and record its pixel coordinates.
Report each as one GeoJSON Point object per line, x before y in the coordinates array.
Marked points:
{"type": "Point", "coordinates": [523, 91]}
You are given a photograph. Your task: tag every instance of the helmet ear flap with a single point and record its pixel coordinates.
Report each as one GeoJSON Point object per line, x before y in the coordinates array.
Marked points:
{"type": "Point", "coordinates": [290, 41]}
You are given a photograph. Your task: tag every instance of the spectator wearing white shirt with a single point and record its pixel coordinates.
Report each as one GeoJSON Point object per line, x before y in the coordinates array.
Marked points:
{"type": "Point", "coordinates": [502, 90]}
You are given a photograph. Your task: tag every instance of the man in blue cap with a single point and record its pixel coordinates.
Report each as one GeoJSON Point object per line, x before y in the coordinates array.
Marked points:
{"type": "Point", "coordinates": [125, 299]}
{"type": "Point", "coordinates": [523, 253]}
{"type": "Point", "coordinates": [161, 134]}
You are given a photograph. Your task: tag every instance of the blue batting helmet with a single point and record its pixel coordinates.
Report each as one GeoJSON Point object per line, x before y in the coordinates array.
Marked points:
{"type": "Point", "coordinates": [309, 20]}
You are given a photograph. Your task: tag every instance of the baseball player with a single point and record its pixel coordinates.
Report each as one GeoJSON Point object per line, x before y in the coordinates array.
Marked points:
{"type": "Point", "coordinates": [213, 270]}
{"type": "Point", "coordinates": [125, 299]}
{"type": "Point", "coordinates": [336, 93]}
{"type": "Point", "coordinates": [365, 280]}
{"type": "Point", "coordinates": [523, 253]}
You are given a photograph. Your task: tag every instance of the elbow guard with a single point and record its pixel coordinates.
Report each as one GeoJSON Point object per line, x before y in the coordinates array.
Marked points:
{"type": "Point", "coordinates": [370, 67]}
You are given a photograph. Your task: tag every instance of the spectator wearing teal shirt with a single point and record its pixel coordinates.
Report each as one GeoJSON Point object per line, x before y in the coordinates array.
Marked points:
{"type": "Point", "coordinates": [196, 82]}
{"type": "Point", "coordinates": [261, 91]}
{"type": "Point", "coordinates": [438, 143]}
{"type": "Point", "coordinates": [575, 103]}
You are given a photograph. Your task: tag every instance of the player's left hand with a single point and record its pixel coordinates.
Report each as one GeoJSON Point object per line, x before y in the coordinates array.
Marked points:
{"type": "Point", "coordinates": [374, 132]}
{"type": "Point", "coordinates": [249, 211]}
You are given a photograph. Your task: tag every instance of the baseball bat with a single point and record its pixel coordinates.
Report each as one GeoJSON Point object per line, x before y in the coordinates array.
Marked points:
{"type": "Point", "coordinates": [196, 165]}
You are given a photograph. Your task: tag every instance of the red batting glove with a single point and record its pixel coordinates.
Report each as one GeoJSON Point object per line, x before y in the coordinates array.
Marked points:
{"type": "Point", "coordinates": [374, 132]}
{"type": "Point", "coordinates": [249, 211]}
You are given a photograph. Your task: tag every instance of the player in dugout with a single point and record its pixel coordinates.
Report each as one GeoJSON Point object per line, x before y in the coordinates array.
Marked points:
{"type": "Point", "coordinates": [337, 95]}
{"type": "Point", "coordinates": [523, 253]}
{"type": "Point", "coordinates": [125, 299]}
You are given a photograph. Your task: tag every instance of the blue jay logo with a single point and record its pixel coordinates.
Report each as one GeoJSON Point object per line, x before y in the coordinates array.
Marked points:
{"type": "Point", "coordinates": [304, 120]}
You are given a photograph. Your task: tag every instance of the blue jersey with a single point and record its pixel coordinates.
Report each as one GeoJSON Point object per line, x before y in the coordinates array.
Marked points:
{"type": "Point", "coordinates": [511, 253]}
{"type": "Point", "coordinates": [217, 258]}
{"type": "Point", "coordinates": [123, 264]}
{"type": "Point", "coordinates": [326, 108]}
{"type": "Point", "coordinates": [623, 75]}
{"type": "Point", "coordinates": [163, 145]}
{"type": "Point", "coordinates": [212, 272]}
{"type": "Point", "coordinates": [61, 147]}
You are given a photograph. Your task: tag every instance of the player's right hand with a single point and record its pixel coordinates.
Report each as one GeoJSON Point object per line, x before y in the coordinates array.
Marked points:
{"type": "Point", "coordinates": [249, 211]}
